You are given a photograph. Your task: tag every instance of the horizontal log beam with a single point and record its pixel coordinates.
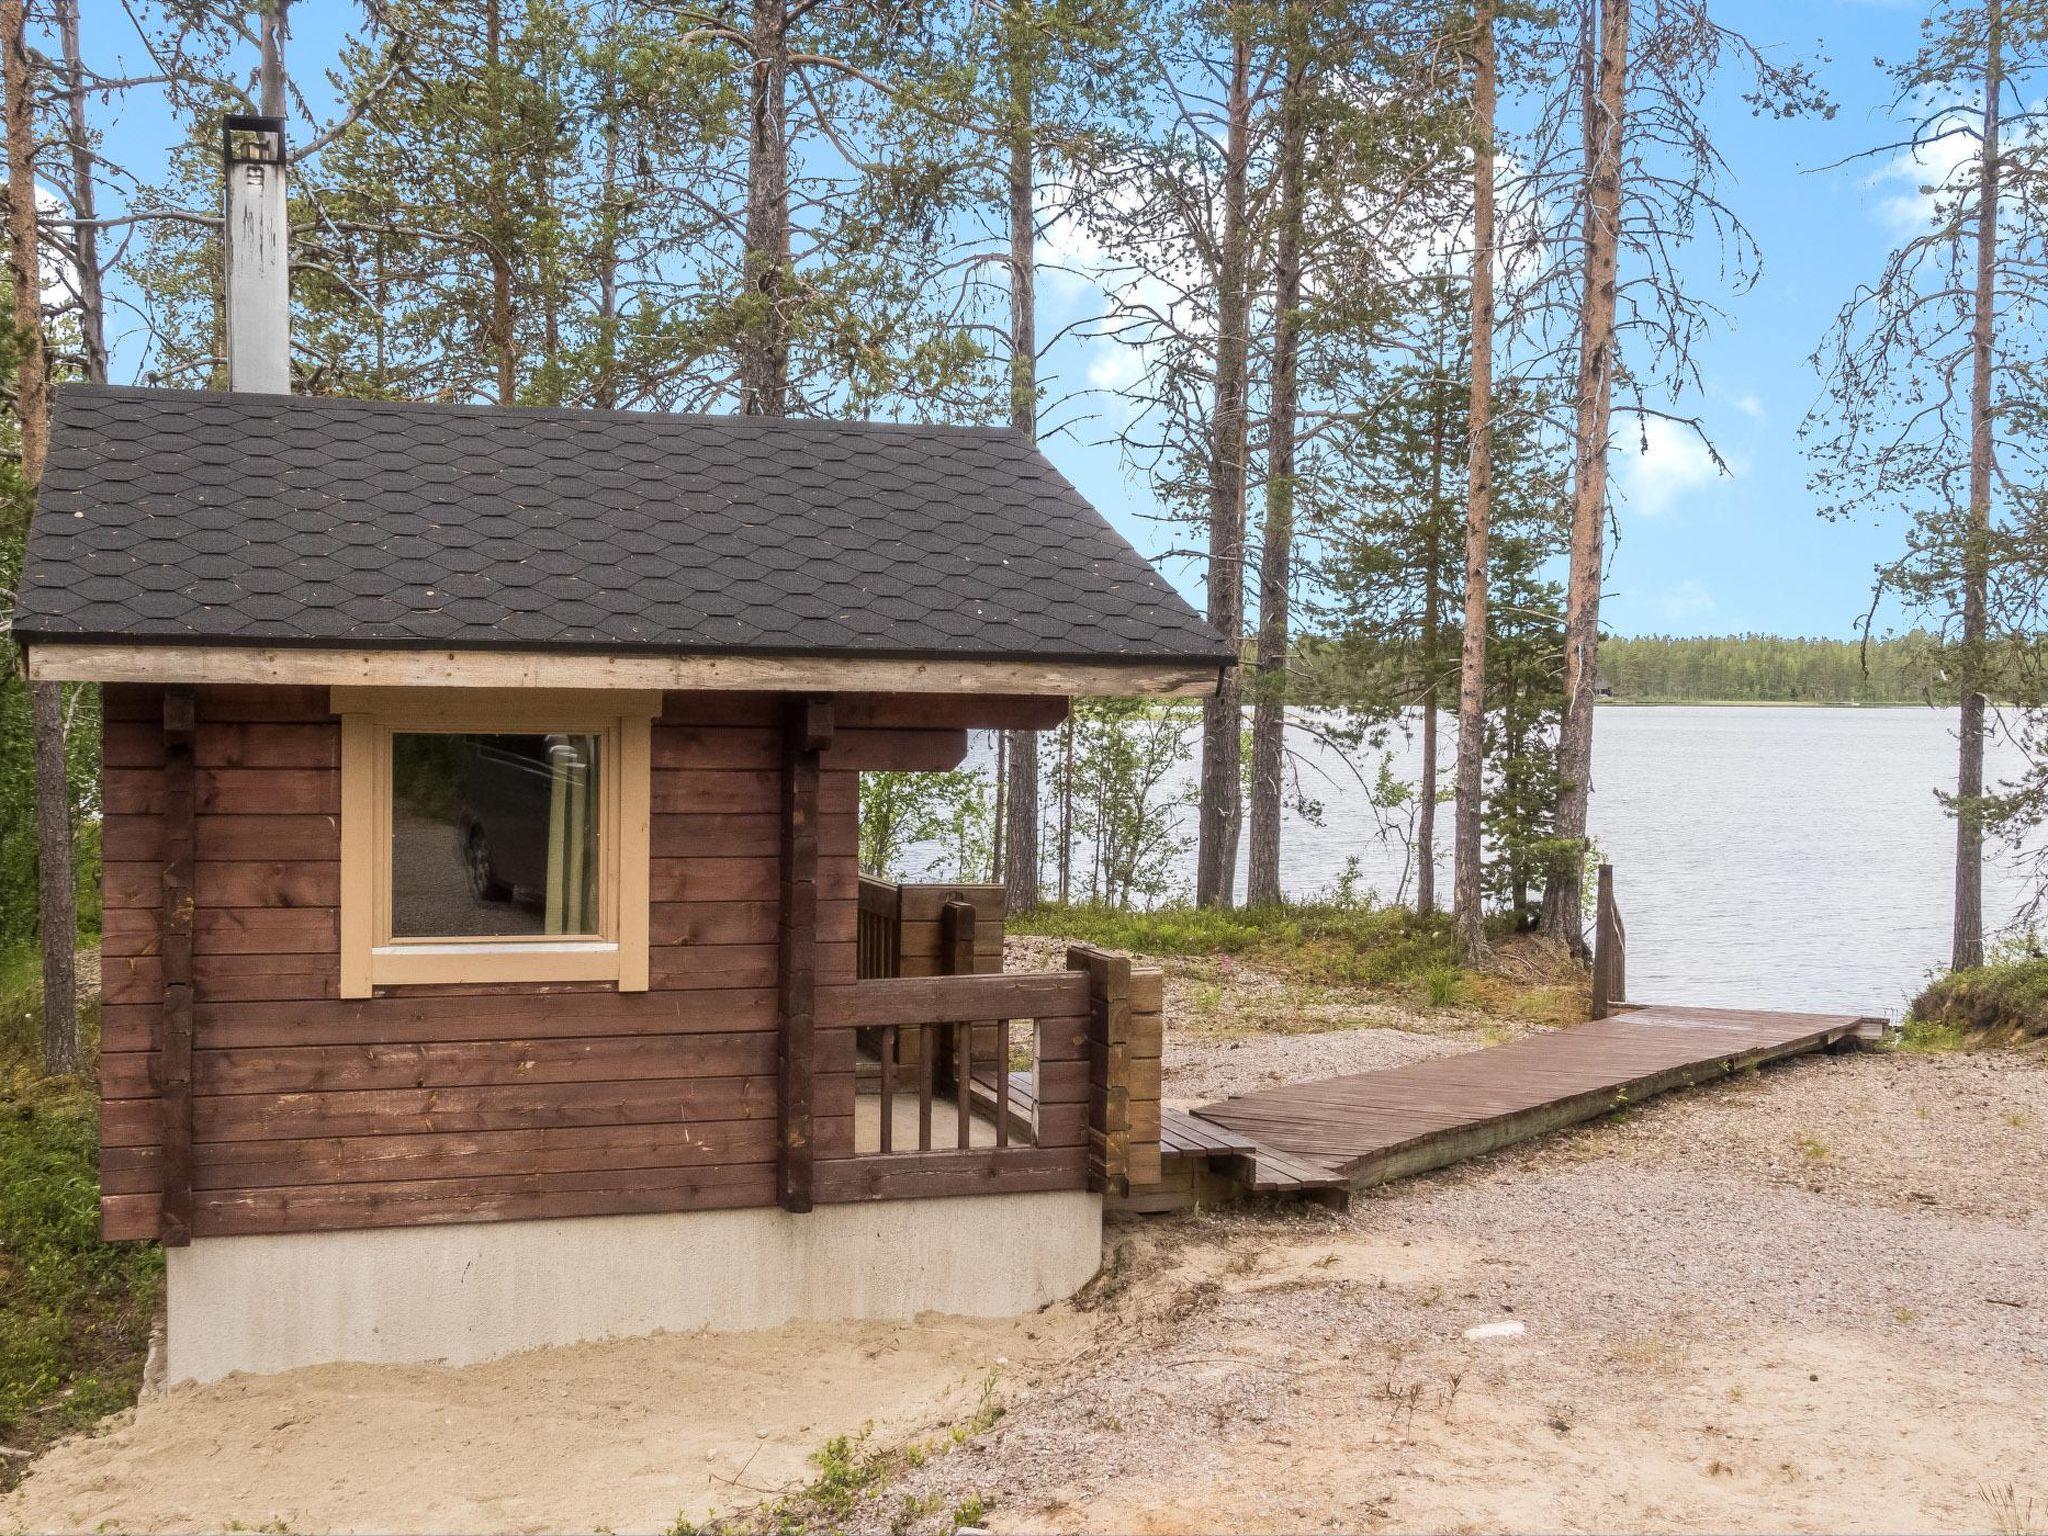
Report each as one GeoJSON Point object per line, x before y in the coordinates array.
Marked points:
{"type": "Point", "coordinates": [78, 662]}
{"type": "Point", "coordinates": [954, 999]}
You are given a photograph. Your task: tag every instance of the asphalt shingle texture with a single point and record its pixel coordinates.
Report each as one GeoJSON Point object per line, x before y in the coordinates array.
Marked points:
{"type": "Point", "coordinates": [177, 516]}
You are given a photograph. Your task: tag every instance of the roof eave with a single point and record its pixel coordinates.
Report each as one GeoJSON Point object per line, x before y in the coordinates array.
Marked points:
{"type": "Point", "coordinates": [53, 659]}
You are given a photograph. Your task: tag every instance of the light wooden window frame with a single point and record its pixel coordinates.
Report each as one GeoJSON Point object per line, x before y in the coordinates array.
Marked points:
{"type": "Point", "coordinates": [371, 957]}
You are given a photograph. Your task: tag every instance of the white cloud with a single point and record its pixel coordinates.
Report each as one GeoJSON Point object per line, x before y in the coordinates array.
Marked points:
{"type": "Point", "coordinates": [1659, 462]}
{"type": "Point", "coordinates": [1919, 174]}
{"type": "Point", "coordinates": [1750, 406]}
{"type": "Point", "coordinates": [1686, 601]}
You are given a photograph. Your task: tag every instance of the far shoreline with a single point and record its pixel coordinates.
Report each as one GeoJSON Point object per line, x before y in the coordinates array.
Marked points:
{"type": "Point", "coordinates": [1663, 703]}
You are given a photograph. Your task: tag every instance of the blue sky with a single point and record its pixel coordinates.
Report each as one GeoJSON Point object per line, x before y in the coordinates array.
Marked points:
{"type": "Point", "coordinates": [1699, 552]}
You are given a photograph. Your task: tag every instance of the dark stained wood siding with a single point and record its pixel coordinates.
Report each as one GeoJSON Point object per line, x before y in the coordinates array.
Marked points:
{"type": "Point", "coordinates": [463, 1104]}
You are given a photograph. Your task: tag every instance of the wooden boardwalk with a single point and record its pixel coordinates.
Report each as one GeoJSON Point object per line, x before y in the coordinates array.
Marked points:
{"type": "Point", "coordinates": [1351, 1132]}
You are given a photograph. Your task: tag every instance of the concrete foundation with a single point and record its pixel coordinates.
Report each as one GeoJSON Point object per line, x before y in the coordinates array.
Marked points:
{"type": "Point", "coordinates": [466, 1293]}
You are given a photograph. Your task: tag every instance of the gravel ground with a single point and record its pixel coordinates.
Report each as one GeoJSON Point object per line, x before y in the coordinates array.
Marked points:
{"type": "Point", "coordinates": [1808, 1299]}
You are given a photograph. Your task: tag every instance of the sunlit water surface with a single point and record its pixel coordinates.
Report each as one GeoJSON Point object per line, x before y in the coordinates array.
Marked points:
{"type": "Point", "coordinates": [1767, 857]}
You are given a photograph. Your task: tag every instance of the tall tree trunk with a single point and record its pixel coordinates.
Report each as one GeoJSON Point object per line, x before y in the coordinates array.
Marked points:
{"type": "Point", "coordinates": [1468, 916]}
{"type": "Point", "coordinates": [1967, 948]}
{"type": "Point", "coordinates": [764, 328]}
{"type": "Point", "coordinates": [56, 912]}
{"type": "Point", "coordinates": [1276, 554]}
{"type": "Point", "coordinates": [503, 345]}
{"type": "Point", "coordinates": [1021, 864]}
{"type": "Point", "coordinates": [55, 893]}
{"type": "Point", "coordinates": [92, 309]}
{"type": "Point", "coordinates": [32, 385]}
{"type": "Point", "coordinates": [1432, 643]}
{"type": "Point", "coordinates": [1221, 809]}
{"type": "Point", "coordinates": [1562, 917]}
{"type": "Point", "coordinates": [1066, 854]}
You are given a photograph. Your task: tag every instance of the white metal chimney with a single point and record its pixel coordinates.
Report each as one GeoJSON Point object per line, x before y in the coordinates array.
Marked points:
{"type": "Point", "coordinates": [256, 241]}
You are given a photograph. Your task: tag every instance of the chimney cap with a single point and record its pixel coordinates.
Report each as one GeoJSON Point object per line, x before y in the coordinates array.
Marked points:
{"type": "Point", "coordinates": [246, 139]}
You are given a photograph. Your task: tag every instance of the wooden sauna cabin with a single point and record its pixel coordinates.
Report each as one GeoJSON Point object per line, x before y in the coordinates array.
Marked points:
{"type": "Point", "coordinates": [486, 960]}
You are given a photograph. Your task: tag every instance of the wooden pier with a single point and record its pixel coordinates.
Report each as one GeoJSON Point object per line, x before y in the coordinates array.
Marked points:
{"type": "Point", "coordinates": [1325, 1138]}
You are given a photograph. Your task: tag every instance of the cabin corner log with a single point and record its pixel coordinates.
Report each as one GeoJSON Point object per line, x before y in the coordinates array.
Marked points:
{"type": "Point", "coordinates": [807, 734]}
{"type": "Point", "coordinates": [174, 947]}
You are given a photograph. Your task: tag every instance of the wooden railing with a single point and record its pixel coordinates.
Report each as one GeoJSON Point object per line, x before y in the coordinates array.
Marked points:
{"type": "Point", "coordinates": [1610, 949]}
{"type": "Point", "coordinates": [1050, 1079]}
{"type": "Point", "coordinates": [879, 937]}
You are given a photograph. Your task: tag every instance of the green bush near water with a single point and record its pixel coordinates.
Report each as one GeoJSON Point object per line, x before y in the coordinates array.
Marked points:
{"type": "Point", "coordinates": [2005, 1003]}
{"type": "Point", "coordinates": [75, 1312]}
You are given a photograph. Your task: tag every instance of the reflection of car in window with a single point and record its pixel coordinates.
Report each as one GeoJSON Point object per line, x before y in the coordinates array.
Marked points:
{"type": "Point", "coordinates": [505, 805]}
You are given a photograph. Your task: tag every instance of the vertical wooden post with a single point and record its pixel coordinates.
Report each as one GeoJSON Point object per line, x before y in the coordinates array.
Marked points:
{"type": "Point", "coordinates": [956, 958]}
{"type": "Point", "coordinates": [807, 732]}
{"type": "Point", "coordinates": [1610, 949]}
{"type": "Point", "coordinates": [1109, 1045]}
{"type": "Point", "coordinates": [174, 1046]}
{"type": "Point", "coordinates": [956, 938]}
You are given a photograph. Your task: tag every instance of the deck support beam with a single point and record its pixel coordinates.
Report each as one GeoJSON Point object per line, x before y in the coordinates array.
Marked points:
{"type": "Point", "coordinates": [806, 735]}
{"type": "Point", "coordinates": [174, 1045]}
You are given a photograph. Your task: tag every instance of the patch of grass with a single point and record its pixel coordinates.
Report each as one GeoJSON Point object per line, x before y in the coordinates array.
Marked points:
{"type": "Point", "coordinates": [970, 1511]}
{"type": "Point", "coordinates": [1812, 1148]}
{"type": "Point", "coordinates": [1443, 986]}
{"type": "Point", "coordinates": [1329, 943]}
{"type": "Point", "coordinates": [75, 1312]}
{"type": "Point", "coordinates": [2004, 1003]}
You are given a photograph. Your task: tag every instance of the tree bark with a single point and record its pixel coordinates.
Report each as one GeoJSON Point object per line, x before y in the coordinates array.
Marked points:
{"type": "Point", "coordinates": [1220, 814]}
{"type": "Point", "coordinates": [1467, 907]}
{"type": "Point", "coordinates": [1967, 948]}
{"type": "Point", "coordinates": [56, 898]}
{"type": "Point", "coordinates": [32, 385]}
{"type": "Point", "coordinates": [1021, 863]}
{"type": "Point", "coordinates": [1562, 915]}
{"type": "Point", "coordinates": [764, 323]}
{"type": "Point", "coordinates": [56, 909]}
{"type": "Point", "coordinates": [92, 309]}
{"type": "Point", "coordinates": [1432, 640]}
{"type": "Point", "coordinates": [1276, 553]}
{"type": "Point", "coordinates": [499, 213]}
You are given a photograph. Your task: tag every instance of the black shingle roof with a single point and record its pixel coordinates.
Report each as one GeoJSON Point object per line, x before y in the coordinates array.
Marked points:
{"type": "Point", "coordinates": [173, 516]}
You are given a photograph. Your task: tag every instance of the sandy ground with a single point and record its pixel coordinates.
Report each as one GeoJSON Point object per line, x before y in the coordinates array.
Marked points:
{"type": "Point", "coordinates": [1815, 1298]}
{"type": "Point", "coordinates": [1812, 1300]}
{"type": "Point", "coordinates": [621, 1436]}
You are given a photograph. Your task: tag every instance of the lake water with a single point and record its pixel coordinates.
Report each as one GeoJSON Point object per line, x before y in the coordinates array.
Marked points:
{"type": "Point", "coordinates": [1764, 857]}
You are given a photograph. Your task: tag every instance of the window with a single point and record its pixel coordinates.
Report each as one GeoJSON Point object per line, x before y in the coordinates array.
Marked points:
{"type": "Point", "coordinates": [493, 836]}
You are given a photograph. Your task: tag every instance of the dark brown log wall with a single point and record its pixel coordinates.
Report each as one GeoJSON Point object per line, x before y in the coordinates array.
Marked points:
{"type": "Point", "coordinates": [448, 1104]}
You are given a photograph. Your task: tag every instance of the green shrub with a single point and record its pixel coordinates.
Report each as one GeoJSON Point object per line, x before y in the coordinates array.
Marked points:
{"type": "Point", "coordinates": [1999, 1004]}
{"type": "Point", "coordinates": [74, 1311]}
{"type": "Point", "coordinates": [1323, 941]}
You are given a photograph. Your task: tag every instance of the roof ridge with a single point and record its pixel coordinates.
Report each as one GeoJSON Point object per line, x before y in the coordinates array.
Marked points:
{"type": "Point", "coordinates": [487, 409]}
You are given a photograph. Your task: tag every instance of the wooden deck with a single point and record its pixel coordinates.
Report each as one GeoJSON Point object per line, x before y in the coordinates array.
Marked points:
{"type": "Point", "coordinates": [1370, 1127]}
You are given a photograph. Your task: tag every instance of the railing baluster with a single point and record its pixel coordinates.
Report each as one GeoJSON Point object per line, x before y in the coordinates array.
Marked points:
{"type": "Point", "coordinates": [1002, 1082]}
{"type": "Point", "coordinates": [963, 1081]}
{"type": "Point", "coordinates": [926, 1043]}
{"type": "Point", "coordinates": [888, 1087]}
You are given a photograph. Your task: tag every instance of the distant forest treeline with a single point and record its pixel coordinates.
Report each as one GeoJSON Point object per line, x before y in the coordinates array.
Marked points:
{"type": "Point", "coordinates": [1773, 669]}
{"type": "Point", "coordinates": [1655, 669]}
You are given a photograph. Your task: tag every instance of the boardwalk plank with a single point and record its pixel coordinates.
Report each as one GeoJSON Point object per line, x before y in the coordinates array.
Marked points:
{"type": "Point", "coordinates": [1371, 1126]}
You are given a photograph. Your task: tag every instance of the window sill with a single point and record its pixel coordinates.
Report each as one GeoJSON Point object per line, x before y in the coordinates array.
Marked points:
{"type": "Point", "coordinates": [403, 965]}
